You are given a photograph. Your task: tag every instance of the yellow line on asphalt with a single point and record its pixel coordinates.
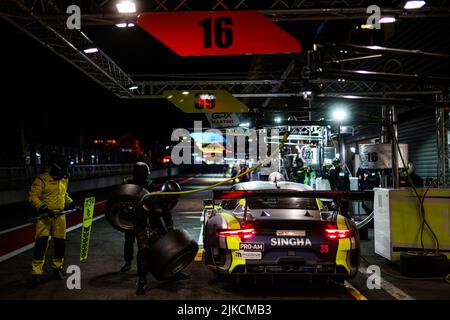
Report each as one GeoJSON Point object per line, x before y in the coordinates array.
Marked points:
{"type": "Point", "coordinates": [199, 256]}
{"type": "Point", "coordinates": [354, 292]}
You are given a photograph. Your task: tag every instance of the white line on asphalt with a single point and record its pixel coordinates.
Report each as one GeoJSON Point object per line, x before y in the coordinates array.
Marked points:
{"type": "Point", "coordinates": [390, 288]}
{"type": "Point", "coordinates": [15, 228]}
{"type": "Point", "coordinates": [31, 245]}
{"type": "Point", "coordinates": [200, 236]}
{"type": "Point", "coordinates": [16, 252]}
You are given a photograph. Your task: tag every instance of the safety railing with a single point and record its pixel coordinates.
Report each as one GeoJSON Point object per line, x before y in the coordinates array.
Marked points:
{"type": "Point", "coordinates": [17, 177]}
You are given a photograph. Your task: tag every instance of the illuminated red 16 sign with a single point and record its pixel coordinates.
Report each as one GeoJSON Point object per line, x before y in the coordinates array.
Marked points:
{"type": "Point", "coordinates": [218, 33]}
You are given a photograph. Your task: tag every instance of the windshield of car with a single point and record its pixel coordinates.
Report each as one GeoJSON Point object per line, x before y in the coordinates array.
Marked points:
{"type": "Point", "coordinates": [274, 202]}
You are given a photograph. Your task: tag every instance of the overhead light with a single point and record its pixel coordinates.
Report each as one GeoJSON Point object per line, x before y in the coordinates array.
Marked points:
{"type": "Point", "coordinates": [414, 5]}
{"type": "Point", "coordinates": [90, 50]}
{"type": "Point", "coordinates": [387, 20]}
{"type": "Point", "coordinates": [124, 25]}
{"type": "Point", "coordinates": [277, 119]}
{"type": "Point", "coordinates": [244, 124]}
{"type": "Point", "coordinates": [167, 147]}
{"type": "Point", "coordinates": [352, 149]}
{"type": "Point", "coordinates": [368, 26]}
{"type": "Point", "coordinates": [133, 87]}
{"type": "Point", "coordinates": [339, 114]}
{"type": "Point", "coordinates": [307, 95]}
{"type": "Point", "coordinates": [185, 93]}
{"type": "Point", "coordinates": [126, 7]}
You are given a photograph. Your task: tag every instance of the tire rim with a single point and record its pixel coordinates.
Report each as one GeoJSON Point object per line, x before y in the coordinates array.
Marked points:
{"type": "Point", "coordinates": [121, 215]}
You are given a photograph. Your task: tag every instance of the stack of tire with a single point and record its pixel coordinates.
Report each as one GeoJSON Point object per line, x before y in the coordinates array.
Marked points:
{"type": "Point", "coordinates": [171, 253]}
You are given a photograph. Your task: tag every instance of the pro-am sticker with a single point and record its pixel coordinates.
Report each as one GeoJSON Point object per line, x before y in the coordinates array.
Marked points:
{"type": "Point", "coordinates": [248, 255]}
{"type": "Point", "coordinates": [251, 246]}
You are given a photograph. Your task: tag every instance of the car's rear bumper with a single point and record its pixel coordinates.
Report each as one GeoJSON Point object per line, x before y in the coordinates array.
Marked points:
{"type": "Point", "coordinates": [283, 265]}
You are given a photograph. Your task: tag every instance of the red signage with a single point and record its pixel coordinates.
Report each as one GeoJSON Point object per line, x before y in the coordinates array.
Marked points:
{"type": "Point", "coordinates": [209, 33]}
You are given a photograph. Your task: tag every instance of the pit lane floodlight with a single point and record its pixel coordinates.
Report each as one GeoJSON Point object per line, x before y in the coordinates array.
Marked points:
{"type": "Point", "coordinates": [126, 6]}
{"type": "Point", "coordinates": [339, 114]}
{"type": "Point", "coordinates": [410, 5]}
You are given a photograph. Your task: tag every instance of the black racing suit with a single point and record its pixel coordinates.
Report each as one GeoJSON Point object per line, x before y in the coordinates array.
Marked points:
{"type": "Point", "coordinates": [130, 236]}
{"type": "Point", "coordinates": [148, 228]}
{"type": "Point", "coordinates": [340, 181]}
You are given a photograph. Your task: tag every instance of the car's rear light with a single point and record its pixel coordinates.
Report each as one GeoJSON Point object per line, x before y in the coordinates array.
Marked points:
{"type": "Point", "coordinates": [244, 234]}
{"type": "Point", "coordinates": [336, 234]}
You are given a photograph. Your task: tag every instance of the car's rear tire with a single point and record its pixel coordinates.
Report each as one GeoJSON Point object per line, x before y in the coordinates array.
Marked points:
{"type": "Point", "coordinates": [172, 253]}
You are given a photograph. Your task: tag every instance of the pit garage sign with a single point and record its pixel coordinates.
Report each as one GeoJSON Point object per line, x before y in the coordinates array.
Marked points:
{"type": "Point", "coordinates": [379, 156]}
{"type": "Point", "coordinates": [212, 33]}
{"type": "Point", "coordinates": [205, 101]}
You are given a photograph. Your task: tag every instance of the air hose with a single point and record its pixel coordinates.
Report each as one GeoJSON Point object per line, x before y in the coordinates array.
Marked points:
{"type": "Point", "coordinates": [282, 142]}
{"type": "Point", "coordinates": [421, 199]}
{"type": "Point", "coordinates": [363, 223]}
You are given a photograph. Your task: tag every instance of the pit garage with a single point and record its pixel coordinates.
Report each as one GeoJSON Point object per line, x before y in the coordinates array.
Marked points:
{"type": "Point", "coordinates": [291, 150]}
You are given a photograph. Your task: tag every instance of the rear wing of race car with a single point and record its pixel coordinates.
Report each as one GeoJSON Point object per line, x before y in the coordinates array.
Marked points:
{"type": "Point", "coordinates": [332, 194]}
{"type": "Point", "coordinates": [221, 195]}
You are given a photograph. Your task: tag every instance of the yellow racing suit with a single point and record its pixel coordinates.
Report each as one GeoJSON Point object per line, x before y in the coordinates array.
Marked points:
{"type": "Point", "coordinates": [46, 191]}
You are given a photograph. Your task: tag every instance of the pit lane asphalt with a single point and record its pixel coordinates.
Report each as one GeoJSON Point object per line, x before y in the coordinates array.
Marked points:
{"type": "Point", "coordinates": [101, 278]}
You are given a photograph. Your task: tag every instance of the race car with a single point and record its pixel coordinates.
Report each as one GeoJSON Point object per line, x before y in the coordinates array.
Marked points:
{"type": "Point", "coordinates": [263, 227]}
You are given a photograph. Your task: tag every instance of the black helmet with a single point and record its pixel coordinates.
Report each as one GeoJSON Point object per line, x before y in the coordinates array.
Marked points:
{"type": "Point", "coordinates": [59, 167]}
{"type": "Point", "coordinates": [170, 186]}
{"type": "Point", "coordinates": [141, 172]}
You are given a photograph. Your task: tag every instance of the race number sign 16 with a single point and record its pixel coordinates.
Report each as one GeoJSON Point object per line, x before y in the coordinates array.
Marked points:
{"type": "Point", "coordinates": [208, 33]}
{"type": "Point", "coordinates": [379, 156]}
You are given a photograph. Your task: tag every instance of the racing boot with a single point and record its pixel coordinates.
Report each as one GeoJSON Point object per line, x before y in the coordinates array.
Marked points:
{"type": "Point", "coordinates": [126, 267]}
{"type": "Point", "coordinates": [141, 286]}
{"type": "Point", "coordinates": [57, 274]}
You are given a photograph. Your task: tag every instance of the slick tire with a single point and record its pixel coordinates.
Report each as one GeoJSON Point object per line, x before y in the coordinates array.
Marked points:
{"type": "Point", "coordinates": [171, 253]}
{"type": "Point", "coordinates": [418, 264]}
{"type": "Point", "coordinates": [120, 207]}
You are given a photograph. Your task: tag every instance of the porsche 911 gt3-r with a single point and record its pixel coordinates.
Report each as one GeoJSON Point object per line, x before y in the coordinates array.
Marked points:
{"type": "Point", "coordinates": [270, 228]}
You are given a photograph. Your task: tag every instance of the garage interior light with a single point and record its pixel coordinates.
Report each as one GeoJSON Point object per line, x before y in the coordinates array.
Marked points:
{"type": "Point", "coordinates": [410, 5]}
{"type": "Point", "coordinates": [133, 87]}
{"type": "Point", "coordinates": [244, 124]}
{"type": "Point", "coordinates": [387, 20]}
{"type": "Point", "coordinates": [90, 50]}
{"type": "Point", "coordinates": [126, 7]}
{"type": "Point", "coordinates": [277, 119]}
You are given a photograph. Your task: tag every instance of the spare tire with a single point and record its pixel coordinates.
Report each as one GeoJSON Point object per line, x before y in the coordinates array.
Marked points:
{"type": "Point", "coordinates": [171, 253]}
{"type": "Point", "coordinates": [423, 264]}
{"type": "Point", "coordinates": [121, 205]}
